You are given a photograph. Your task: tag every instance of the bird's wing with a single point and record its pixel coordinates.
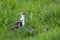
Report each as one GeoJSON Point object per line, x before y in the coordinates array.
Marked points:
{"type": "Point", "coordinates": [15, 26]}
{"type": "Point", "coordinates": [19, 23]}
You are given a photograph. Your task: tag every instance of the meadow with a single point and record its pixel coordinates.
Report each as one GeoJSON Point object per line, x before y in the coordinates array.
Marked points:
{"type": "Point", "coordinates": [40, 13]}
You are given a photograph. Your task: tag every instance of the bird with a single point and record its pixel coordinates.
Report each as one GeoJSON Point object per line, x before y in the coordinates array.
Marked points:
{"type": "Point", "coordinates": [20, 23]}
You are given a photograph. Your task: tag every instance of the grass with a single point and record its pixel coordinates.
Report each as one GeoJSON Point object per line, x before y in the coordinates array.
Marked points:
{"type": "Point", "coordinates": [39, 13]}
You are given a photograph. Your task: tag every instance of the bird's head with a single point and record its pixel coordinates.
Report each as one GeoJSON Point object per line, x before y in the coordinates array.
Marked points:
{"type": "Point", "coordinates": [23, 13]}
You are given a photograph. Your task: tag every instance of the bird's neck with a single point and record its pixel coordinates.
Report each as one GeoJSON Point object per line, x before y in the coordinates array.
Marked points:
{"type": "Point", "coordinates": [22, 17]}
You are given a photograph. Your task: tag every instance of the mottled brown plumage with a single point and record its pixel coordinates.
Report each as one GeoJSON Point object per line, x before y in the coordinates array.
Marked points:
{"type": "Point", "coordinates": [16, 25]}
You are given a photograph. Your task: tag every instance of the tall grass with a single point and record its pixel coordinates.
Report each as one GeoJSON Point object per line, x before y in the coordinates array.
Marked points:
{"type": "Point", "coordinates": [39, 13]}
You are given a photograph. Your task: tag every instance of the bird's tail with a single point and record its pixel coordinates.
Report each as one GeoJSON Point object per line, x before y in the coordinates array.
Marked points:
{"type": "Point", "coordinates": [14, 27]}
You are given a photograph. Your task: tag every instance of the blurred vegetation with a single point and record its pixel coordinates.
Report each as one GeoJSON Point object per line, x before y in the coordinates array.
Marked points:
{"type": "Point", "coordinates": [40, 13]}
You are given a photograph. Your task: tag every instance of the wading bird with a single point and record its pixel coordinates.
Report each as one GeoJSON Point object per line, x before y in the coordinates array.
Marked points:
{"type": "Point", "coordinates": [20, 23]}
